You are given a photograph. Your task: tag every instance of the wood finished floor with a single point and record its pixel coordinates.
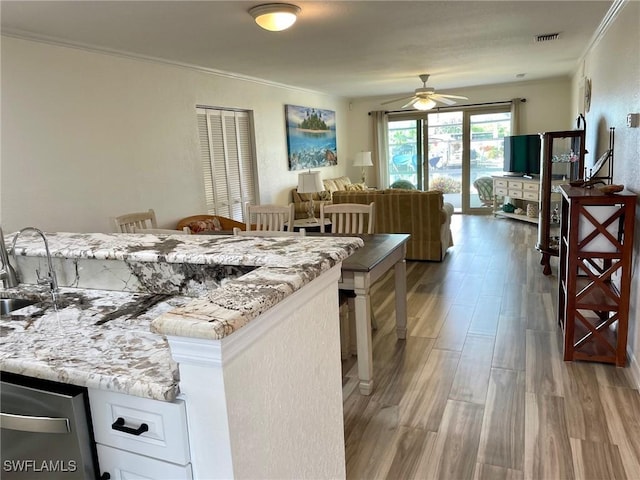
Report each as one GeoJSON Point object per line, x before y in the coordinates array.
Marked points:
{"type": "Point", "coordinates": [479, 389]}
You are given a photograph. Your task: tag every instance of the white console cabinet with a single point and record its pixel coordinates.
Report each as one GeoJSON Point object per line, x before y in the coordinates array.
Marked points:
{"type": "Point", "coordinates": [520, 191]}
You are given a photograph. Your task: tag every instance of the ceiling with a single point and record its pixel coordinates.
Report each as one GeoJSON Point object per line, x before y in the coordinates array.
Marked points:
{"type": "Point", "coordinates": [345, 48]}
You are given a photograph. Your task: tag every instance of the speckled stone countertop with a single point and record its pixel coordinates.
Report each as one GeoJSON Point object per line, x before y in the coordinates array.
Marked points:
{"type": "Point", "coordinates": [93, 338]}
{"type": "Point", "coordinates": [116, 340]}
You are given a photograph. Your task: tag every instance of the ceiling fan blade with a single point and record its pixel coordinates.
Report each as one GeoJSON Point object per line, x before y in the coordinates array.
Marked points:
{"type": "Point", "coordinates": [414, 100]}
{"type": "Point", "coordinates": [452, 96]}
{"type": "Point", "coordinates": [439, 98]}
{"type": "Point", "coordinates": [396, 99]}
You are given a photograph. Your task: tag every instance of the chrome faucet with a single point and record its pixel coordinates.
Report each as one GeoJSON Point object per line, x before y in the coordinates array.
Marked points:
{"type": "Point", "coordinates": [7, 273]}
{"type": "Point", "coordinates": [51, 278]}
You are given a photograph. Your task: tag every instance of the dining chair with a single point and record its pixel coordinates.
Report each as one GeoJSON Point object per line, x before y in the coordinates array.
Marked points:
{"type": "Point", "coordinates": [348, 217]}
{"type": "Point", "coordinates": [268, 233]}
{"type": "Point", "coordinates": [169, 231]}
{"type": "Point", "coordinates": [140, 220]}
{"type": "Point", "coordinates": [268, 217]}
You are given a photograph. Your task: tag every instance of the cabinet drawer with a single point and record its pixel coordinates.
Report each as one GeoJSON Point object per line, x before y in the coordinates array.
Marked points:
{"type": "Point", "coordinates": [502, 191]}
{"type": "Point", "coordinates": [123, 465]}
{"type": "Point", "coordinates": [531, 187]}
{"type": "Point", "coordinates": [515, 193]}
{"type": "Point", "coordinates": [515, 184]}
{"type": "Point", "coordinates": [166, 437]}
{"type": "Point", "coordinates": [500, 183]}
{"type": "Point", "coordinates": [527, 195]}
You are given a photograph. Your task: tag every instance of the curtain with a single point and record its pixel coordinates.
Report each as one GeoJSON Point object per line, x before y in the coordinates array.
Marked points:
{"type": "Point", "coordinates": [515, 115]}
{"type": "Point", "coordinates": [379, 124]}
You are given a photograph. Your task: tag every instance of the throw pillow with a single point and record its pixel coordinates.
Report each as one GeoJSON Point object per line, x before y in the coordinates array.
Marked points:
{"type": "Point", "coordinates": [205, 225]}
{"type": "Point", "coordinates": [324, 195]}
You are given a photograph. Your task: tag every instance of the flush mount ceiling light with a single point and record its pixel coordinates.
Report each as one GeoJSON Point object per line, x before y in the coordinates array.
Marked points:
{"type": "Point", "coordinates": [275, 16]}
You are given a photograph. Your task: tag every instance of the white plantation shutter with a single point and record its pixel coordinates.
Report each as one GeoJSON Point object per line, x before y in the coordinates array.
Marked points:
{"type": "Point", "coordinates": [228, 161]}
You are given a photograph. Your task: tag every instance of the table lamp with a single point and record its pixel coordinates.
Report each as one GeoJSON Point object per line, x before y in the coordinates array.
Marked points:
{"type": "Point", "coordinates": [310, 182]}
{"type": "Point", "coordinates": [363, 159]}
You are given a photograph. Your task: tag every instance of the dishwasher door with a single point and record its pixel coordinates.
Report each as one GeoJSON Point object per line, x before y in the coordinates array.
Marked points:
{"type": "Point", "coordinates": [46, 432]}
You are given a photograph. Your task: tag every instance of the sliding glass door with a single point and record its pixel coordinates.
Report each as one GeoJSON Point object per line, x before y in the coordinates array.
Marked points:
{"type": "Point", "coordinates": [455, 151]}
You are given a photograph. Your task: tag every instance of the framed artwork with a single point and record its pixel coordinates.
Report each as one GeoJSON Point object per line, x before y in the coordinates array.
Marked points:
{"type": "Point", "coordinates": [311, 137]}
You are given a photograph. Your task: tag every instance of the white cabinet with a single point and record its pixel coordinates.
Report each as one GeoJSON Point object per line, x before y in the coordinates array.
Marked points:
{"type": "Point", "coordinates": [137, 436]}
{"type": "Point", "coordinates": [121, 465]}
{"type": "Point", "coordinates": [521, 192]}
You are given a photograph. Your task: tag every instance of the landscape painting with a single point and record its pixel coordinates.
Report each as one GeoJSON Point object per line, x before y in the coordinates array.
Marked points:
{"type": "Point", "coordinates": [311, 137]}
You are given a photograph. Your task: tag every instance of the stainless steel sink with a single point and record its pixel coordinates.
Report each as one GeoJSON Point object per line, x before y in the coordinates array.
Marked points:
{"type": "Point", "coordinates": [8, 305]}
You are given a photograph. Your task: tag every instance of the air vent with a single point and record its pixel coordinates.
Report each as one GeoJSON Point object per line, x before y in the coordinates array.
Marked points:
{"type": "Point", "coordinates": [547, 37]}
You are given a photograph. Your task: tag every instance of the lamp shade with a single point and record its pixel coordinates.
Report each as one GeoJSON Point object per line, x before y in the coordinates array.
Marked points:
{"type": "Point", "coordinates": [310, 182]}
{"type": "Point", "coordinates": [275, 17]}
{"type": "Point", "coordinates": [363, 159]}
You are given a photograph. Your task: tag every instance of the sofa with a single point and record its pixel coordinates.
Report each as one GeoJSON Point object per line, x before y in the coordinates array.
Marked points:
{"type": "Point", "coordinates": [424, 215]}
{"type": "Point", "coordinates": [331, 185]}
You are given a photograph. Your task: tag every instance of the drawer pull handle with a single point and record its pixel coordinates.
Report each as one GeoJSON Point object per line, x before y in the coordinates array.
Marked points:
{"type": "Point", "coordinates": [119, 425]}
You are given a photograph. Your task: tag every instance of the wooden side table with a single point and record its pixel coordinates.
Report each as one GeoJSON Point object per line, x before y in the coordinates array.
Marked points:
{"type": "Point", "coordinates": [594, 280]}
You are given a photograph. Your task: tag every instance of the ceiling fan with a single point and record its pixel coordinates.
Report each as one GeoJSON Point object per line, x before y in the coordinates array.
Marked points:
{"type": "Point", "coordinates": [425, 98]}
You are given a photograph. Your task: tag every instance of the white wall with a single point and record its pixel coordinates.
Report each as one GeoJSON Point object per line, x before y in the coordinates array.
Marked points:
{"type": "Point", "coordinates": [613, 65]}
{"type": "Point", "coordinates": [86, 136]}
{"type": "Point", "coordinates": [547, 109]}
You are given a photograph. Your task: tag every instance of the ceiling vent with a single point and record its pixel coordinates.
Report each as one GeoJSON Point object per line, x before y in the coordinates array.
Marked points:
{"type": "Point", "coordinates": [547, 37]}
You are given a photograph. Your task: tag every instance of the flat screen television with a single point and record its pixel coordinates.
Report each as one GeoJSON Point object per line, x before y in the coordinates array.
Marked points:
{"type": "Point", "coordinates": [522, 155]}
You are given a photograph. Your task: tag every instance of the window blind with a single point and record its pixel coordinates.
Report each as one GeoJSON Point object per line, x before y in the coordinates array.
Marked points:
{"type": "Point", "coordinates": [228, 161]}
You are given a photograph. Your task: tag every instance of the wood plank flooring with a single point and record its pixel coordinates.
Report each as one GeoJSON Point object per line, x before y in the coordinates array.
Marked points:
{"type": "Point", "coordinates": [479, 389]}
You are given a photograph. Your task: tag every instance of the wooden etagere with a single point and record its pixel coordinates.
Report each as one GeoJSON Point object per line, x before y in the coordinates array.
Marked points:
{"type": "Point", "coordinates": [594, 278]}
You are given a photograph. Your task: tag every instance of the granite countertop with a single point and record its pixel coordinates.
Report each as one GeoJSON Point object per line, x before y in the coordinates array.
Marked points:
{"type": "Point", "coordinates": [116, 340]}
{"type": "Point", "coordinates": [93, 338]}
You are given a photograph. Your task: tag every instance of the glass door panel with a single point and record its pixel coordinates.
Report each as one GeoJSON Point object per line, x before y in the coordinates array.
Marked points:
{"type": "Point", "coordinates": [444, 154]}
{"type": "Point", "coordinates": [486, 155]}
{"type": "Point", "coordinates": [405, 148]}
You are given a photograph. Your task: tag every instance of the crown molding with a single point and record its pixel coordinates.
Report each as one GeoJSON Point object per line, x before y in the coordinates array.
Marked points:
{"type": "Point", "coordinates": [151, 59]}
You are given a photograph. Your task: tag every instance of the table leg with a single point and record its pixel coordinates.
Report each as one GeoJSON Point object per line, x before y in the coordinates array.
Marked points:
{"type": "Point", "coordinates": [401, 298]}
{"type": "Point", "coordinates": [363, 333]}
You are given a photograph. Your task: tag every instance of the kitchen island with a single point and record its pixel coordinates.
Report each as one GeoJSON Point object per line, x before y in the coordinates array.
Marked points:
{"type": "Point", "coordinates": [242, 330]}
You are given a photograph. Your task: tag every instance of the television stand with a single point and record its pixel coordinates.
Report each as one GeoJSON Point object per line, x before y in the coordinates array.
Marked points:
{"type": "Point", "coordinates": [523, 193]}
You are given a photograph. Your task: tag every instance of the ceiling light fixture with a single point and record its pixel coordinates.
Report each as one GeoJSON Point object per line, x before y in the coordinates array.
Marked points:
{"type": "Point", "coordinates": [275, 17]}
{"type": "Point", "coordinates": [424, 104]}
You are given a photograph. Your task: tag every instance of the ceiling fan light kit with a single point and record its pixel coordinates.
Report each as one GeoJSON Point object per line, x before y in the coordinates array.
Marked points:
{"type": "Point", "coordinates": [275, 17]}
{"type": "Point", "coordinates": [426, 98]}
{"type": "Point", "coordinates": [424, 104]}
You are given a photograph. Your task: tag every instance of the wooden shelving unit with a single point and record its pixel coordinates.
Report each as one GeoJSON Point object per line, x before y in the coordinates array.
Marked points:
{"type": "Point", "coordinates": [594, 278]}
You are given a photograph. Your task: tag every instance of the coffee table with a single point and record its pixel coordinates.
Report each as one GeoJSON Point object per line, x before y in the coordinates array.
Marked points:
{"type": "Point", "coordinates": [310, 224]}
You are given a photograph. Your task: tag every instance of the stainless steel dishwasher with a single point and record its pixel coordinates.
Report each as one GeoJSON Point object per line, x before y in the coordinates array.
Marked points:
{"type": "Point", "coordinates": [46, 431]}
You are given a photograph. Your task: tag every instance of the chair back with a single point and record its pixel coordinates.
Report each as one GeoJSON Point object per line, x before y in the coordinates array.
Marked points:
{"type": "Point", "coordinates": [484, 186]}
{"type": "Point", "coordinates": [166, 231]}
{"type": "Point", "coordinates": [268, 233]}
{"type": "Point", "coordinates": [140, 220]}
{"type": "Point", "coordinates": [348, 217]}
{"type": "Point", "coordinates": [268, 217]}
